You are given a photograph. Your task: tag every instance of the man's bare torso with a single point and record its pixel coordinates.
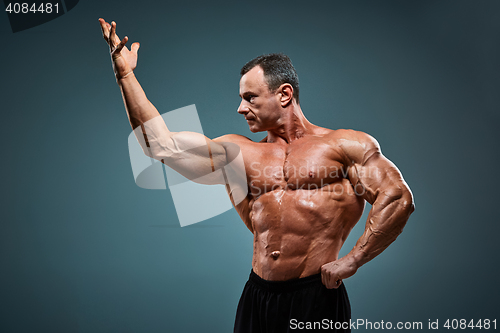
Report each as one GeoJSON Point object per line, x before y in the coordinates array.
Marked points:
{"type": "Point", "coordinates": [301, 205]}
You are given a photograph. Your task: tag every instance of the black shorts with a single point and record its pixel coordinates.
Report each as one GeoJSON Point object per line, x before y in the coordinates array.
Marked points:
{"type": "Point", "coordinates": [291, 306]}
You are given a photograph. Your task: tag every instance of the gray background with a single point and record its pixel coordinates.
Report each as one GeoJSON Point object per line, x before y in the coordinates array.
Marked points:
{"type": "Point", "coordinates": [83, 249]}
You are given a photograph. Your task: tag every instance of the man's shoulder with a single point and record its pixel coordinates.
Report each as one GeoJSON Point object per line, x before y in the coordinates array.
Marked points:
{"type": "Point", "coordinates": [354, 144]}
{"type": "Point", "coordinates": [233, 138]}
{"type": "Point", "coordinates": [352, 135]}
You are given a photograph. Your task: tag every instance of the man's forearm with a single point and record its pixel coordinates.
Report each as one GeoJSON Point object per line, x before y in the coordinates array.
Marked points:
{"type": "Point", "coordinates": [386, 221]}
{"type": "Point", "coordinates": [149, 127]}
{"type": "Point", "coordinates": [139, 108]}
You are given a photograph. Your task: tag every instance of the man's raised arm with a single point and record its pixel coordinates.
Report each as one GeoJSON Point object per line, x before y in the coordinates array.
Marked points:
{"type": "Point", "coordinates": [191, 154]}
{"type": "Point", "coordinates": [380, 183]}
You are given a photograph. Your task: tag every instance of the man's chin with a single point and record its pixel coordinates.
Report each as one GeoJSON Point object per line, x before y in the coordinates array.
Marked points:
{"type": "Point", "coordinates": [255, 129]}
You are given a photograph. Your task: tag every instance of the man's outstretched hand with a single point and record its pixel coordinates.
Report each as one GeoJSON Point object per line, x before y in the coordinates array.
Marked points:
{"type": "Point", "coordinates": [124, 60]}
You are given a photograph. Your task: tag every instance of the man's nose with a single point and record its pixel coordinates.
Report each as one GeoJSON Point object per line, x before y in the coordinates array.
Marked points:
{"type": "Point", "coordinates": [243, 108]}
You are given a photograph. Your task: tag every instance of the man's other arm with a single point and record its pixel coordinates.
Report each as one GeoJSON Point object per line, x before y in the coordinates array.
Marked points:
{"type": "Point", "coordinates": [380, 183]}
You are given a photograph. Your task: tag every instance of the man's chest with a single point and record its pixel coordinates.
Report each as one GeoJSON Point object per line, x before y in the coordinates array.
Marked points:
{"type": "Point", "coordinates": [304, 164]}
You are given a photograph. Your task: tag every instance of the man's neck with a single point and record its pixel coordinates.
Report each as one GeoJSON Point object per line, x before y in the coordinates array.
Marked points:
{"type": "Point", "coordinates": [293, 126]}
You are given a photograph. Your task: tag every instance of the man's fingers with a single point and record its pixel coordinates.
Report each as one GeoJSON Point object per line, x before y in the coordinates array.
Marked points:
{"type": "Point", "coordinates": [112, 33]}
{"type": "Point", "coordinates": [121, 45]}
{"type": "Point", "coordinates": [135, 47]}
{"type": "Point", "coordinates": [110, 36]}
{"type": "Point", "coordinates": [330, 279]}
{"type": "Point", "coordinates": [113, 37]}
{"type": "Point", "coordinates": [104, 29]}
{"type": "Point", "coordinates": [326, 278]}
{"type": "Point", "coordinates": [333, 282]}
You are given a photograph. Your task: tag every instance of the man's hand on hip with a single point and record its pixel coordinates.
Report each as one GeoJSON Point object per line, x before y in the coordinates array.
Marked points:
{"type": "Point", "coordinates": [334, 272]}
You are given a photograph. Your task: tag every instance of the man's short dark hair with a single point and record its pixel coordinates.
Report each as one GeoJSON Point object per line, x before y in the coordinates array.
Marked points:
{"type": "Point", "coordinates": [278, 69]}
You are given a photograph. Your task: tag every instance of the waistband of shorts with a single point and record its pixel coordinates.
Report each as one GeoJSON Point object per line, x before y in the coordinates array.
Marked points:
{"type": "Point", "coordinates": [285, 286]}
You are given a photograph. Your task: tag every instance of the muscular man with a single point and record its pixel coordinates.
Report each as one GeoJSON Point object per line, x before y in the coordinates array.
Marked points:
{"type": "Point", "coordinates": [307, 187]}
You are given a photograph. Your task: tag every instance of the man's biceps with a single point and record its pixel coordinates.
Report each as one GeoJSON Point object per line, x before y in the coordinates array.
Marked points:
{"type": "Point", "coordinates": [379, 166]}
{"type": "Point", "coordinates": [190, 141]}
{"type": "Point", "coordinates": [373, 175]}
{"type": "Point", "coordinates": [369, 173]}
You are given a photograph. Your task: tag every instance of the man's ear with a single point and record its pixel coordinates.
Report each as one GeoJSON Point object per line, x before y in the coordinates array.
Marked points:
{"type": "Point", "coordinates": [286, 94]}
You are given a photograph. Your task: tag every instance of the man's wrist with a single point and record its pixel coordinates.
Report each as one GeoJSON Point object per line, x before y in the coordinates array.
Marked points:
{"type": "Point", "coordinates": [357, 258]}
{"type": "Point", "coordinates": [122, 77]}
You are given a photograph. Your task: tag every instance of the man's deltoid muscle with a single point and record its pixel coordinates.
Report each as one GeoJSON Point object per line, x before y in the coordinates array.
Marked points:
{"type": "Point", "coordinates": [307, 187]}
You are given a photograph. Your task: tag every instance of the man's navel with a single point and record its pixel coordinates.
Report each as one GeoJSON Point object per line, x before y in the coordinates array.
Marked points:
{"type": "Point", "coordinates": [275, 254]}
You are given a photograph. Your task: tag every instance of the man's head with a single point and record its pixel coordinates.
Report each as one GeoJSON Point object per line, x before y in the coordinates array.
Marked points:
{"type": "Point", "coordinates": [268, 84]}
{"type": "Point", "coordinates": [278, 69]}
